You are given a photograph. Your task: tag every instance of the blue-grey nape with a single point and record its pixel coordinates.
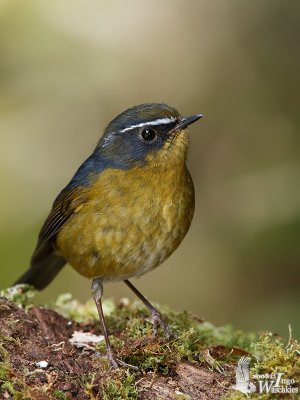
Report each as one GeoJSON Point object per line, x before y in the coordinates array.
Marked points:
{"type": "Point", "coordinates": [92, 166]}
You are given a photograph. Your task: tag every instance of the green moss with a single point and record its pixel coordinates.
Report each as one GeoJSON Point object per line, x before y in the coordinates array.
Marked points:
{"type": "Point", "coordinates": [4, 364]}
{"type": "Point", "coordinates": [60, 395]}
{"type": "Point", "coordinates": [71, 308]}
{"type": "Point", "coordinates": [132, 339]}
{"type": "Point", "coordinates": [9, 382]}
{"type": "Point", "coordinates": [194, 340]}
{"type": "Point", "coordinates": [13, 383]}
{"type": "Point", "coordinates": [120, 386]}
{"type": "Point", "coordinates": [115, 385]}
{"type": "Point", "coordinates": [20, 294]}
{"type": "Point", "coordinates": [273, 355]}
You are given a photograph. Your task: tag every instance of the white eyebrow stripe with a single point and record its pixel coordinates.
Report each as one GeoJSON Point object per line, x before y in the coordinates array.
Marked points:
{"type": "Point", "coordinates": [159, 121]}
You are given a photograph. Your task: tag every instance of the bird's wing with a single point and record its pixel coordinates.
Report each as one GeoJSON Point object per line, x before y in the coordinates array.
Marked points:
{"type": "Point", "coordinates": [45, 262]}
{"type": "Point", "coordinates": [242, 371]}
{"type": "Point", "coordinates": [67, 203]}
{"type": "Point", "coordinates": [70, 199]}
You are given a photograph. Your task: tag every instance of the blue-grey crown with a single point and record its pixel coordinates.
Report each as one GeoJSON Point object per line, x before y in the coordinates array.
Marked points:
{"type": "Point", "coordinates": [143, 114]}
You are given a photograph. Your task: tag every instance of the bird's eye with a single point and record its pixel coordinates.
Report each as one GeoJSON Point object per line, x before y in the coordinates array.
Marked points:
{"type": "Point", "coordinates": [149, 135]}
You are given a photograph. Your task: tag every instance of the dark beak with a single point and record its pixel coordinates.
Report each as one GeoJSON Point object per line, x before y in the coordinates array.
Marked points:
{"type": "Point", "coordinates": [184, 122]}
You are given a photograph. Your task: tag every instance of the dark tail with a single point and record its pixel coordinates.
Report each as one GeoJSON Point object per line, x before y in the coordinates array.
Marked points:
{"type": "Point", "coordinates": [45, 265]}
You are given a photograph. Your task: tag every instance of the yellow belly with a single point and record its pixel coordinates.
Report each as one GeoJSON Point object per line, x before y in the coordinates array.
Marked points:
{"type": "Point", "coordinates": [133, 220]}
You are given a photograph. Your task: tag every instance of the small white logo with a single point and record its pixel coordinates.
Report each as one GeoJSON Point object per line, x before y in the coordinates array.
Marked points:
{"type": "Point", "coordinates": [275, 383]}
{"type": "Point", "coordinates": [267, 383]}
{"type": "Point", "coordinates": [242, 377]}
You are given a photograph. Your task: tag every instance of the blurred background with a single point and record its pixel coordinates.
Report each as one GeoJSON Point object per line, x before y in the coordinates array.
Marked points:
{"type": "Point", "coordinates": [68, 67]}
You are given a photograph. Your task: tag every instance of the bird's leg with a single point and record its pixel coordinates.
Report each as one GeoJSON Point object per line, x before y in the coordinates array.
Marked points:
{"type": "Point", "coordinates": [155, 317]}
{"type": "Point", "coordinates": [97, 290]}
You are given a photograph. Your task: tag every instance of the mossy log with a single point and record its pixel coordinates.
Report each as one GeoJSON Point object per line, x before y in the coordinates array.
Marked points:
{"type": "Point", "coordinates": [38, 360]}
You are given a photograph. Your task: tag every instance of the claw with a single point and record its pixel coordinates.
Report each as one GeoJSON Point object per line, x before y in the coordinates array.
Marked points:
{"type": "Point", "coordinates": [156, 320]}
{"type": "Point", "coordinates": [115, 363]}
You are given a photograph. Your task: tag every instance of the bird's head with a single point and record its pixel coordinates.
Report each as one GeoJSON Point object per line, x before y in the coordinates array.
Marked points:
{"type": "Point", "coordinates": [147, 133]}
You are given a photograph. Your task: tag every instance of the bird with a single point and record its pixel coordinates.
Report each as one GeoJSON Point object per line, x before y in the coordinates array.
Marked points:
{"type": "Point", "coordinates": [242, 377]}
{"type": "Point", "coordinates": [126, 209]}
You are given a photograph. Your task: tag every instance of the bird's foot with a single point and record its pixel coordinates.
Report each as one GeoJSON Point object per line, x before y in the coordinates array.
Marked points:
{"type": "Point", "coordinates": [156, 320]}
{"type": "Point", "coordinates": [115, 363]}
